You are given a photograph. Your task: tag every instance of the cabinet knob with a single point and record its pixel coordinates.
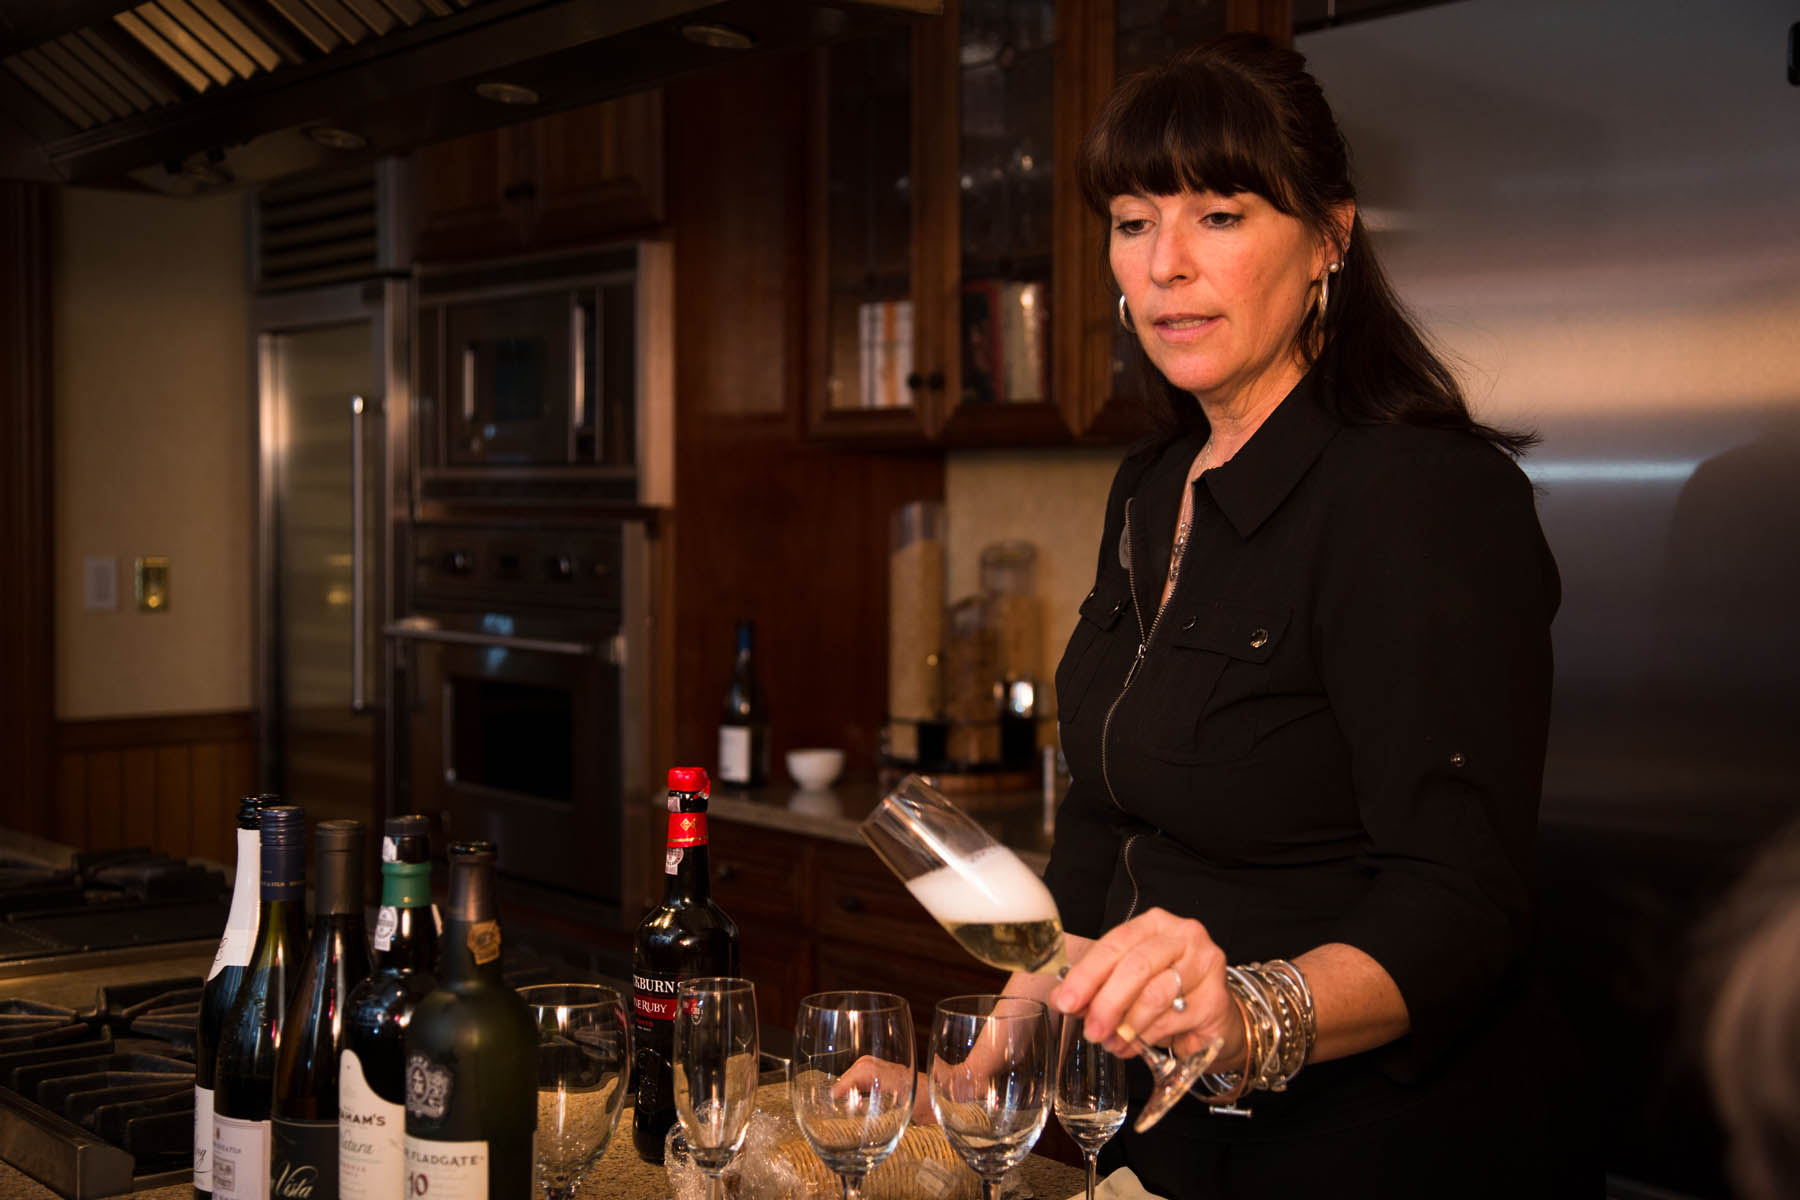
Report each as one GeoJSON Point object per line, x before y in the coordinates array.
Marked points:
{"type": "Point", "coordinates": [933, 382]}
{"type": "Point", "coordinates": [850, 904]}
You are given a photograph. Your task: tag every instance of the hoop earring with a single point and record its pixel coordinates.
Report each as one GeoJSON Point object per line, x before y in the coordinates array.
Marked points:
{"type": "Point", "coordinates": [1125, 315]}
{"type": "Point", "coordinates": [1324, 289]}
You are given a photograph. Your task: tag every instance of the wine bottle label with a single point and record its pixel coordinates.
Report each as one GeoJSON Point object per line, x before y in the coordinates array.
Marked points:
{"type": "Point", "coordinates": [386, 922]}
{"type": "Point", "coordinates": [303, 1160]}
{"type": "Point", "coordinates": [203, 1138]}
{"type": "Point", "coordinates": [687, 829]}
{"type": "Point", "coordinates": [427, 1088]}
{"type": "Point", "coordinates": [371, 1137]}
{"type": "Point", "coordinates": [672, 860]}
{"type": "Point", "coordinates": [239, 942]}
{"type": "Point", "coordinates": [446, 1170]}
{"type": "Point", "coordinates": [484, 941]}
{"type": "Point", "coordinates": [240, 1159]}
{"type": "Point", "coordinates": [734, 753]}
{"type": "Point", "coordinates": [653, 1004]}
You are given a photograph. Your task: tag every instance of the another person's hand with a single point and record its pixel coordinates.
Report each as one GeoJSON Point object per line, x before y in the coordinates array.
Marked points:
{"type": "Point", "coordinates": [1128, 980]}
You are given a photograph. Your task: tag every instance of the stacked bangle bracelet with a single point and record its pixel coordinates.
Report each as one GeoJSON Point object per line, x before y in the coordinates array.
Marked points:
{"type": "Point", "coordinates": [1280, 1024]}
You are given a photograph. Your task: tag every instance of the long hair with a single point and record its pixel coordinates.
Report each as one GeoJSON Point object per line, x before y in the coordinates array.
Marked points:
{"type": "Point", "coordinates": [1237, 114]}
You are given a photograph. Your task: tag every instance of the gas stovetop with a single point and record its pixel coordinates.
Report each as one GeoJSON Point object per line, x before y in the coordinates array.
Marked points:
{"type": "Point", "coordinates": [105, 900]}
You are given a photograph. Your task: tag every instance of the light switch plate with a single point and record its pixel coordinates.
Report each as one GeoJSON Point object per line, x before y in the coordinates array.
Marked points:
{"type": "Point", "coordinates": [100, 584]}
{"type": "Point", "coordinates": [152, 584]}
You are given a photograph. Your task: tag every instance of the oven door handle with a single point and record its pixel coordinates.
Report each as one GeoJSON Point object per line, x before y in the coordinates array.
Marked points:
{"type": "Point", "coordinates": [359, 599]}
{"type": "Point", "coordinates": [496, 641]}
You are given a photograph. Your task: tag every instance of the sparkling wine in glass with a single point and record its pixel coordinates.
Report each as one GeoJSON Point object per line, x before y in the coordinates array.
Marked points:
{"type": "Point", "coordinates": [1090, 1094]}
{"type": "Point", "coordinates": [716, 1056]}
{"type": "Point", "coordinates": [583, 1062]}
{"type": "Point", "coordinates": [998, 908]}
{"type": "Point", "coordinates": [851, 1079]}
{"type": "Point", "coordinates": [989, 1080]}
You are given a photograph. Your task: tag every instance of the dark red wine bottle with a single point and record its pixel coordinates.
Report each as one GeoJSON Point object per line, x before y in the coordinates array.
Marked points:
{"type": "Point", "coordinates": [687, 936]}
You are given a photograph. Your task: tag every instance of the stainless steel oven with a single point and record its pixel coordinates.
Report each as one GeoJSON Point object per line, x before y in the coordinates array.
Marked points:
{"type": "Point", "coordinates": [523, 666]}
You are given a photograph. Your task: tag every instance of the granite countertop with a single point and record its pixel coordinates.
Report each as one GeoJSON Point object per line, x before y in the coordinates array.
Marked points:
{"type": "Point", "coordinates": [1016, 818]}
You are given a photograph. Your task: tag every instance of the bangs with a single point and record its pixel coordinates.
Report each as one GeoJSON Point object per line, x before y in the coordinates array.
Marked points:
{"type": "Point", "coordinates": [1169, 130]}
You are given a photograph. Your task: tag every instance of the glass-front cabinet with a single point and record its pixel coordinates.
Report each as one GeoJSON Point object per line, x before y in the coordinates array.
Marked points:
{"type": "Point", "coordinates": [959, 283]}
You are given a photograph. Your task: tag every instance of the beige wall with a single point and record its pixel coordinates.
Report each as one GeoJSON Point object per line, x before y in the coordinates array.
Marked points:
{"type": "Point", "coordinates": [1054, 499]}
{"type": "Point", "coordinates": [152, 451]}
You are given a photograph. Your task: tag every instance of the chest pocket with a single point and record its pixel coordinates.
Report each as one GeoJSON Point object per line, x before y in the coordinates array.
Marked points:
{"type": "Point", "coordinates": [1204, 685]}
{"type": "Point", "coordinates": [1101, 613]}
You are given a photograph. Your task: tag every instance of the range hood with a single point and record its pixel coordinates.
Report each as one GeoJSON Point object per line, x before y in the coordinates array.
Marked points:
{"type": "Point", "coordinates": [182, 96]}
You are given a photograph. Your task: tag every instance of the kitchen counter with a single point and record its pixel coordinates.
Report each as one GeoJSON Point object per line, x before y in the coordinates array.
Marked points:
{"type": "Point", "coordinates": [1015, 818]}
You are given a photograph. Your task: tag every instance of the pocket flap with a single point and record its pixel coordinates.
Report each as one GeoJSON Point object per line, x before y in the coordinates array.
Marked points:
{"type": "Point", "coordinates": [1248, 633]}
{"type": "Point", "coordinates": [1105, 604]}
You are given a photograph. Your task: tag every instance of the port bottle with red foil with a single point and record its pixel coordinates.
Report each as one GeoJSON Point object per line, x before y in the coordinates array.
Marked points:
{"type": "Point", "coordinates": [471, 1056]}
{"type": "Point", "coordinates": [244, 1066]}
{"type": "Point", "coordinates": [303, 1159]}
{"type": "Point", "coordinates": [229, 965]}
{"type": "Point", "coordinates": [372, 1063]}
{"type": "Point", "coordinates": [687, 936]}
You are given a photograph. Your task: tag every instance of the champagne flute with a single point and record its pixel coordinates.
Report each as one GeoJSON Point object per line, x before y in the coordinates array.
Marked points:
{"type": "Point", "coordinates": [1090, 1094]}
{"type": "Point", "coordinates": [989, 1080]}
{"type": "Point", "coordinates": [999, 909]}
{"type": "Point", "coordinates": [852, 1123]}
{"type": "Point", "coordinates": [583, 1060]}
{"type": "Point", "coordinates": [716, 1055]}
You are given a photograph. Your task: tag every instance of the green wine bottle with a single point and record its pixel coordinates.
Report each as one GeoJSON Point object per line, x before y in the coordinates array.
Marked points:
{"type": "Point", "coordinates": [471, 1056]}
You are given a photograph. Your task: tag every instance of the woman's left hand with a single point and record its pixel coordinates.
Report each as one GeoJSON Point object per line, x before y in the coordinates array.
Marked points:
{"type": "Point", "coordinates": [1128, 980]}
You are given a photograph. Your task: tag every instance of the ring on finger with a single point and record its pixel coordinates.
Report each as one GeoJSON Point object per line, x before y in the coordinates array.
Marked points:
{"type": "Point", "coordinates": [1179, 1003]}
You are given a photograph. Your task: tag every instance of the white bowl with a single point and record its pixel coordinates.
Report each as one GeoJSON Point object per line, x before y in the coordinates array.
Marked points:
{"type": "Point", "coordinates": [815, 769]}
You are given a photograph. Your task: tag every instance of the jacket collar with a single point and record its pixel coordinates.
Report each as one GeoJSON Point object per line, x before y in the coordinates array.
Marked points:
{"type": "Point", "coordinates": [1268, 467]}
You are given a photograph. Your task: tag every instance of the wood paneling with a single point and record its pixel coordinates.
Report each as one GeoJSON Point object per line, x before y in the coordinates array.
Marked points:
{"type": "Point", "coordinates": [767, 526]}
{"type": "Point", "coordinates": [27, 560]}
{"type": "Point", "coordinates": [169, 783]}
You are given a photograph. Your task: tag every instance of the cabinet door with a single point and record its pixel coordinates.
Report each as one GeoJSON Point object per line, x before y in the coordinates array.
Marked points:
{"type": "Point", "coordinates": [469, 196]}
{"type": "Point", "coordinates": [598, 170]}
{"type": "Point", "coordinates": [871, 374]}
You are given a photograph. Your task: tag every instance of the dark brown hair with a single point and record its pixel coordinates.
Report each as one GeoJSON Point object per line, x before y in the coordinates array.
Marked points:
{"type": "Point", "coordinates": [1239, 114]}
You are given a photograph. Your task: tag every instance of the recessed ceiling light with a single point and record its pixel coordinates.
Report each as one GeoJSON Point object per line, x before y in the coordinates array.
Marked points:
{"type": "Point", "coordinates": [506, 93]}
{"type": "Point", "coordinates": [333, 138]}
{"type": "Point", "coordinates": [719, 37]}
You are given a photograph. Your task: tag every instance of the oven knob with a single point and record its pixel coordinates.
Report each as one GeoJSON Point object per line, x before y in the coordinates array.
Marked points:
{"type": "Point", "coordinates": [560, 566]}
{"type": "Point", "coordinates": [456, 562]}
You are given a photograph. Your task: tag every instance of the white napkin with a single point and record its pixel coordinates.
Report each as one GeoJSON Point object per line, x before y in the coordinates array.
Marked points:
{"type": "Point", "coordinates": [1122, 1184]}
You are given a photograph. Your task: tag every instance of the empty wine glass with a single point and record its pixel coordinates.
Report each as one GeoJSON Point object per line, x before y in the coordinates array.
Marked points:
{"type": "Point", "coordinates": [1090, 1094]}
{"type": "Point", "coordinates": [851, 1079]}
{"type": "Point", "coordinates": [583, 1060]}
{"type": "Point", "coordinates": [999, 909]}
{"type": "Point", "coordinates": [716, 1055]}
{"type": "Point", "coordinates": [989, 1080]}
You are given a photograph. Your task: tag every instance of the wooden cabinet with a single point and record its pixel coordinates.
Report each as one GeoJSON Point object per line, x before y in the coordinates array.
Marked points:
{"type": "Point", "coordinates": [959, 290]}
{"type": "Point", "coordinates": [559, 180]}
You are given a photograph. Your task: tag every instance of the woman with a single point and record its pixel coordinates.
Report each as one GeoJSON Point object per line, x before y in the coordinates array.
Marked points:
{"type": "Point", "coordinates": [1304, 707]}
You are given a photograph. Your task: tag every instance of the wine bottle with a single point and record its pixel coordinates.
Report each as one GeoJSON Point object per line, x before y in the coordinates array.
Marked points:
{"type": "Point", "coordinates": [372, 1064]}
{"type": "Point", "coordinates": [685, 937]}
{"type": "Point", "coordinates": [744, 726]}
{"type": "Point", "coordinates": [303, 1156]}
{"type": "Point", "coordinates": [244, 1067]}
{"type": "Point", "coordinates": [229, 965]}
{"type": "Point", "coordinates": [471, 1056]}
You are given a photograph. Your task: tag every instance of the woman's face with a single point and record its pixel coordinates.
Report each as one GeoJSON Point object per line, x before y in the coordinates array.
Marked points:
{"type": "Point", "coordinates": [1217, 287]}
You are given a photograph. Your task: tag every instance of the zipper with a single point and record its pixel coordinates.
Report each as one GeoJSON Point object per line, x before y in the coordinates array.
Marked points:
{"type": "Point", "coordinates": [1144, 637]}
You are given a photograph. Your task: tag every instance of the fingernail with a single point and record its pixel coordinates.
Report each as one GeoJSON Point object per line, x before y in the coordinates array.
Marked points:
{"type": "Point", "coordinates": [1059, 1000]}
{"type": "Point", "coordinates": [1125, 1033]}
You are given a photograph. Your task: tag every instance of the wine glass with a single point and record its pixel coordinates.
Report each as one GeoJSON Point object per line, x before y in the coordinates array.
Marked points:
{"type": "Point", "coordinates": [583, 1060]}
{"type": "Point", "coordinates": [716, 1055]}
{"type": "Point", "coordinates": [999, 909]}
{"type": "Point", "coordinates": [851, 1079]}
{"type": "Point", "coordinates": [990, 1059]}
{"type": "Point", "coordinates": [1090, 1094]}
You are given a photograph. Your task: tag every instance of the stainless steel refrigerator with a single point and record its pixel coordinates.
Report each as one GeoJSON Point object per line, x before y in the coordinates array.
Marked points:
{"type": "Point", "coordinates": [331, 366]}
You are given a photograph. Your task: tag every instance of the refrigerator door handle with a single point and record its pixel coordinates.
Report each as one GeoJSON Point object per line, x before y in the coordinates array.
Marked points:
{"type": "Point", "coordinates": [359, 598]}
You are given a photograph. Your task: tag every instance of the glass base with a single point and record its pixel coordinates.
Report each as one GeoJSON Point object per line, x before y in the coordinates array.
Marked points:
{"type": "Point", "coordinates": [1173, 1077]}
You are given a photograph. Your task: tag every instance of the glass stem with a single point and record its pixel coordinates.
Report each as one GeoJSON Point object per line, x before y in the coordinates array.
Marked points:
{"type": "Point", "coordinates": [1093, 1166]}
{"type": "Point", "coordinates": [715, 1186]}
{"type": "Point", "coordinates": [990, 1188]}
{"type": "Point", "coordinates": [852, 1186]}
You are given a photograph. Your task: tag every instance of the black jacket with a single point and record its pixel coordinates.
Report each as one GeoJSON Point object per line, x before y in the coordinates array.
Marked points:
{"type": "Point", "coordinates": [1334, 732]}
